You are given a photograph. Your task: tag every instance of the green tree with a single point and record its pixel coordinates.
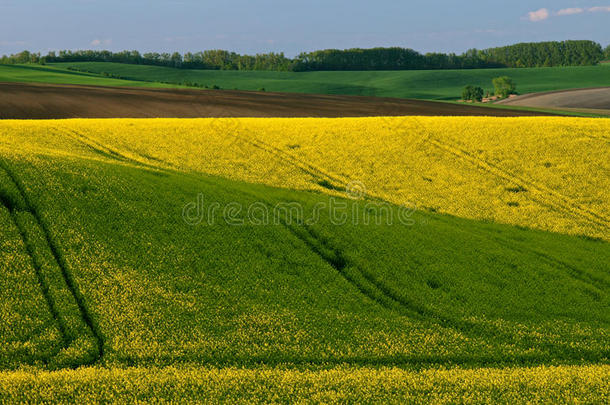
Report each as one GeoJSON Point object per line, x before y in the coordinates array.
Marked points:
{"type": "Point", "coordinates": [472, 93]}
{"type": "Point", "coordinates": [607, 53]}
{"type": "Point", "coordinates": [477, 94]}
{"type": "Point", "coordinates": [466, 92]}
{"type": "Point", "coordinates": [504, 86]}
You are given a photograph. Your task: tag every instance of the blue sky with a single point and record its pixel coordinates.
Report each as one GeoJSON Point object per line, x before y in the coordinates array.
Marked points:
{"type": "Point", "coordinates": [250, 26]}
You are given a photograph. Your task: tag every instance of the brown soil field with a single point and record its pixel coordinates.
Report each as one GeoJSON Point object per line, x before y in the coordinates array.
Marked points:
{"type": "Point", "coordinates": [595, 100]}
{"type": "Point", "coordinates": [47, 101]}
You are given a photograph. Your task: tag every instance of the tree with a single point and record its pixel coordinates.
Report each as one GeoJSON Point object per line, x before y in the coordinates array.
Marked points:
{"type": "Point", "coordinates": [566, 53]}
{"type": "Point", "coordinates": [477, 94]}
{"type": "Point", "coordinates": [504, 86]}
{"type": "Point", "coordinates": [472, 93]}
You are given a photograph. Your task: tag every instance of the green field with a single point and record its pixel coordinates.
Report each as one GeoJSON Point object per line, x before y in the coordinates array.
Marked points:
{"type": "Point", "coordinates": [427, 84]}
{"type": "Point", "coordinates": [309, 309]}
{"type": "Point", "coordinates": [57, 75]}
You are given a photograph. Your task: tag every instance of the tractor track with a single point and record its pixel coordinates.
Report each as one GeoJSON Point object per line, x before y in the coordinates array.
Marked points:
{"type": "Point", "coordinates": [561, 203]}
{"type": "Point", "coordinates": [557, 201]}
{"type": "Point", "coordinates": [361, 280]}
{"type": "Point", "coordinates": [367, 285]}
{"type": "Point", "coordinates": [61, 263]}
{"type": "Point", "coordinates": [106, 151]}
{"type": "Point", "coordinates": [41, 280]}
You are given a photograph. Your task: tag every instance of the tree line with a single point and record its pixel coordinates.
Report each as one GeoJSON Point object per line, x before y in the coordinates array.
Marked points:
{"type": "Point", "coordinates": [546, 54]}
{"type": "Point", "coordinates": [566, 53]}
{"type": "Point", "coordinates": [537, 54]}
{"type": "Point", "coordinates": [211, 59]}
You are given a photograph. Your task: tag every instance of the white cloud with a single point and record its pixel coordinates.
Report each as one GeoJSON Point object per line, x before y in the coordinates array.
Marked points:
{"type": "Point", "coordinates": [544, 13]}
{"type": "Point", "coordinates": [570, 11]}
{"type": "Point", "coordinates": [539, 15]}
{"type": "Point", "coordinates": [98, 42]}
{"type": "Point", "coordinates": [601, 9]}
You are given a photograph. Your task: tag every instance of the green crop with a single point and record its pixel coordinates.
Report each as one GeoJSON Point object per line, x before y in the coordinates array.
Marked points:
{"type": "Point", "coordinates": [117, 260]}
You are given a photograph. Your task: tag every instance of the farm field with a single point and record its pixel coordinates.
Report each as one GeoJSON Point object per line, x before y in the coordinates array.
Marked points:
{"type": "Point", "coordinates": [313, 253]}
{"type": "Point", "coordinates": [565, 384]}
{"type": "Point", "coordinates": [419, 84]}
{"type": "Point", "coordinates": [507, 170]}
{"type": "Point", "coordinates": [46, 101]}
{"type": "Point", "coordinates": [596, 100]}
{"type": "Point", "coordinates": [49, 74]}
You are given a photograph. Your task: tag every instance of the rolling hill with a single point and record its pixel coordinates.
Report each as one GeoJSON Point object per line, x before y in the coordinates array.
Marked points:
{"type": "Point", "coordinates": [228, 250]}
{"type": "Point", "coordinates": [53, 101]}
{"type": "Point", "coordinates": [420, 84]}
{"type": "Point", "coordinates": [595, 100]}
{"type": "Point", "coordinates": [49, 74]}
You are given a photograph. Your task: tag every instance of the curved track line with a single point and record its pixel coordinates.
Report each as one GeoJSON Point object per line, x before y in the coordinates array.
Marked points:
{"type": "Point", "coordinates": [102, 149]}
{"type": "Point", "coordinates": [60, 261]}
{"type": "Point", "coordinates": [65, 342]}
{"type": "Point", "coordinates": [337, 261]}
{"type": "Point", "coordinates": [565, 203]}
{"type": "Point", "coordinates": [562, 203]}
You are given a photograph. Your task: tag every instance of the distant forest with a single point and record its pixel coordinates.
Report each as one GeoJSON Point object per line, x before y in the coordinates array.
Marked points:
{"type": "Point", "coordinates": [539, 54]}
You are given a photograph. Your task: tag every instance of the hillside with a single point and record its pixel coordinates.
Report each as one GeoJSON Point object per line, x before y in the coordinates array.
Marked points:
{"type": "Point", "coordinates": [595, 100]}
{"type": "Point", "coordinates": [48, 101]}
{"type": "Point", "coordinates": [420, 84]}
{"type": "Point", "coordinates": [211, 245]}
{"type": "Point", "coordinates": [48, 74]}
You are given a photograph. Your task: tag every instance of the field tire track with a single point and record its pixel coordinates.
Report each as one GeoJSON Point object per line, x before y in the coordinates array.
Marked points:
{"type": "Point", "coordinates": [361, 281]}
{"type": "Point", "coordinates": [286, 157]}
{"type": "Point", "coordinates": [59, 260]}
{"type": "Point", "coordinates": [379, 293]}
{"type": "Point", "coordinates": [104, 150]}
{"type": "Point", "coordinates": [37, 266]}
{"type": "Point", "coordinates": [564, 203]}
{"type": "Point", "coordinates": [368, 285]}
{"type": "Point", "coordinates": [375, 290]}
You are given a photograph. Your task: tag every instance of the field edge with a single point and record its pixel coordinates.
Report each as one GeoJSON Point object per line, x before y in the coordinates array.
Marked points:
{"type": "Point", "coordinates": [567, 384]}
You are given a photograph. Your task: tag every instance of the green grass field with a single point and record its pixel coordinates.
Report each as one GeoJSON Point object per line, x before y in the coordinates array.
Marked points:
{"type": "Point", "coordinates": [57, 75]}
{"type": "Point", "coordinates": [433, 85]}
{"type": "Point", "coordinates": [317, 310]}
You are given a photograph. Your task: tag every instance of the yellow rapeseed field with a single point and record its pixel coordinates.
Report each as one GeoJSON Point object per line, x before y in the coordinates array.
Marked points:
{"type": "Point", "coordinates": [544, 384]}
{"type": "Point", "coordinates": [161, 301]}
{"type": "Point", "coordinates": [547, 173]}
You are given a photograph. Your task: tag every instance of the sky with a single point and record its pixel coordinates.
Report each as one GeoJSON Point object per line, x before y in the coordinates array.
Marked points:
{"type": "Point", "coordinates": [252, 26]}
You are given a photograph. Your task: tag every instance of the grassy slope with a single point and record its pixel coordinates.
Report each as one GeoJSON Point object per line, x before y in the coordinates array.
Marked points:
{"type": "Point", "coordinates": [165, 292]}
{"type": "Point", "coordinates": [546, 173]}
{"type": "Point", "coordinates": [435, 85]}
{"type": "Point", "coordinates": [50, 74]}
{"type": "Point", "coordinates": [160, 292]}
{"type": "Point", "coordinates": [29, 332]}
